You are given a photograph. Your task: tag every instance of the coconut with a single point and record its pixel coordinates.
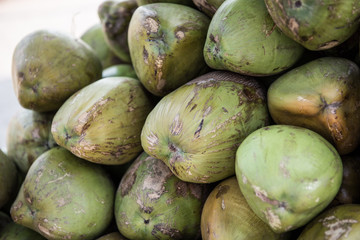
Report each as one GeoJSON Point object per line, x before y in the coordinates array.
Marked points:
{"type": "Point", "coordinates": [115, 17]}
{"type": "Point", "coordinates": [94, 37]}
{"type": "Point", "coordinates": [243, 38]}
{"type": "Point", "coordinates": [64, 197]}
{"type": "Point", "coordinates": [166, 42]}
{"type": "Point", "coordinates": [49, 66]}
{"type": "Point", "coordinates": [28, 136]}
{"type": "Point", "coordinates": [226, 215]}
{"type": "Point", "coordinates": [152, 203]}
{"type": "Point", "coordinates": [288, 175]}
{"type": "Point", "coordinates": [322, 95]}
{"type": "Point", "coordinates": [338, 223]}
{"type": "Point", "coordinates": [197, 128]}
{"type": "Point", "coordinates": [103, 121]}
{"type": "Point", "coordinates": [317, 25]}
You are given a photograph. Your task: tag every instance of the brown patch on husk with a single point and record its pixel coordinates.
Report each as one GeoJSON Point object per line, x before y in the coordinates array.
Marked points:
{"type": "Point", "coordinates": [223, 189]}
{"type": "Point", "coordinates": [166, 230]}
{"type": "Point", "coordinates": [129, 178]}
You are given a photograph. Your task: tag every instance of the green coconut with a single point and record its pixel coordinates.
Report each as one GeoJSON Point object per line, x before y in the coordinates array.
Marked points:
{"type": "Point", "coordinates": [49, 66]}
{"type": "Point", "coordinates": [226, 215]}
{"type": "Point", "coordinates": [13, 231]}
{"type": "Point", "coordinates": [197, 128]}
{"type": "Point", "coordinates": [288, 175]}
{"type": "Point", "coordinates": [28, 136]}
{"type": "Point", "coordinates": [166, 42]}
{"type": "Point", "coordinates": [102, 122]}
{"type": "Point", "coordinates": [115, 16]}
{"type": "Point", "coordinates": [322, 95]}
{"type": "Point", "coordinates": [8, 178]}
{"type": "Point", "coordinates": [94, 37]}
{"type": "Point", "coordinates": [338, 223]}
{"type": "Point", "coordinates": [316, 24]}
{"type": "Point", "coordinates": [64, 197]}
{"type": "Point", "coordinates": [243, 38]}
{"type": "Point", "coordinates": [152, 203]}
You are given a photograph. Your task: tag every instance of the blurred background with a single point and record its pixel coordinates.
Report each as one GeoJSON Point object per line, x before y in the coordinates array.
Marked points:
{"type": "Point", "coordinates": [21, 17]}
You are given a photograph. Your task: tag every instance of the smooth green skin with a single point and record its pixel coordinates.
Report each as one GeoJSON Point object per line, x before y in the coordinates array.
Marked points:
{"type": "Point", "coordinates": [119, 70]}
{"type": "Point", "coordinates": [209, 7]}
{"type": "Point", "coordinates": [226, 215]}
{"type": "Point", "coordinates": [102, 122]}
{"type": "Point", "coordinates": [115, 17]}
{"type": "Point", "coordinates": [152, 203]}
{"type": "Point", "coordinates": [316, 24]}
{"type": "Point", "coordinates": [28, 136]}
{"type": "Point", "coordinates": [338, 223]}
{"type": "Point", "coordinates": [64, 197]}
{"type": "Point", "coordinates": [49, 66]}
{"type": "Point", "coordinates": [197, 128]}
{"type": "Point", "coordinates": [322, 95]}
{"type": "Point", "coordinates": [13, 231]}
{"type": "Point", "coordinates": [243, 38]}
{"type": "Point", "coordinates": [112, 236]}
{"type": "Point", "coordinates": [8, 178]}
{"type": "Point", "coordinates": [166, 42]}
{"type": "Point", "coordinates": [287, 174]}
{"type": "Point", "coordinates": [94, 37]}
